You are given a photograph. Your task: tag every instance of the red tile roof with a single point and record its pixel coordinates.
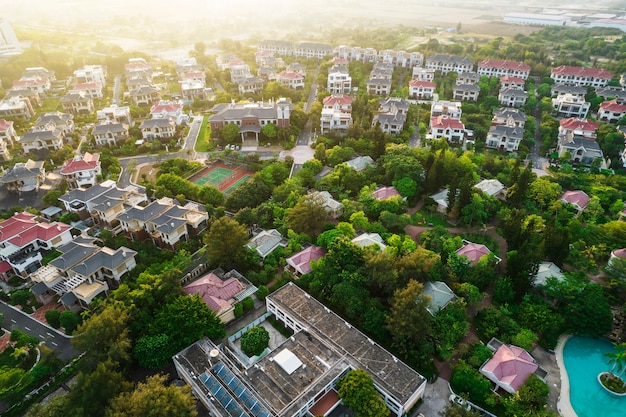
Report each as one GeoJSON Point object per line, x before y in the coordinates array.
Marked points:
{"type": "Point", "coordinates": [16, 225]}
{"type": "Point", "coordinates": [620, 253]}
{"type": "Point", "coordinates": [339, 61]}
{"type": "Point", "coordinates": [420, 83]}
{"type": "Point", "coordinates": [510, 65]}
{"type": "Point", "coordinates": [166, 107]}
{"type": "Point", "coordinates": [27, 82]}
{"type": "Point", "coordinates": [578, 198]}
{"type": "Point", "coordinates": [573, 123]}
{"type": "Point", "coordinates": [4, 267]}
{"type": "Point", "coordinates": [215, 292]}
{"type": "Point", "coordinates": [613, 106]}
{"type": "Point", "coordinates": [193, 75]}
{"type": "Point", "coordinates": [289, 75]}
{"type": "Point", "coordinates": [87, 86]}
{"type": "Point", "coordinates": [301, 261]}
{"type": "Point", "coordinates": [5, 124]}
{"type": "Point", "coordinates": [582, 72]}
{"type": "Point", "coordinates": [88, 162]}
{"type": "Point", "coordinates": [442, 122]}
{"type": "Point", "coordinates": [342, 100]}
{"type": "Point", "coordinates": [21, 229]}
{"type": "Point", "coordinates": [507, 79]}
{"type": "Point", "coordinates": [384, 193]}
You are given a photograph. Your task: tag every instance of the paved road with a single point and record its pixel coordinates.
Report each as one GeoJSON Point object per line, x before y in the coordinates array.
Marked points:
{"type": "Point", "coordinates": [192, 136]}
{"type": "Point", "coordinates": [117, 85]}
{"type": "Point", "coordinates": [414, 140]}
{"type": "Point", "coordinates": [16, 319]}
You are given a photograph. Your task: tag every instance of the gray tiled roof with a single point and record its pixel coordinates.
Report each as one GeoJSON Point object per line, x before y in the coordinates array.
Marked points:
{"type": "Point", "coordinates": [73, 253]}
{"type": "Point", "coordinates": [150, 123]}
{"type": "Point", "coordinates": [143, 214]}
{"type": "Point", "coordinates": [580, 142]}
{"type": "Point", "coordinates": [109, 128]}
{"type": "Point", "coordinates": [56, 117]}
{"type": "Point", "coordinates": [168, 224]}
{"type": "Point", "coordinates": [34, 135]}
{"type": "Point", "coordinates": [515, 92]}
{"type": "Point", "coordinates": [398, 102]}
{"type": "Point", "coordinates": [450, 59]}
{"type": "Point", "coordinates": [467, 87]}
{"type": "Point", "coordinates": [392, 119]}
{"type": "Point", "coordinates": [103, 259]}
{"type": "Point", "coordinates": [505, 113]}
{"type": "Point", "coordinates": [22, 171]}
{"type": "Point", "coordinates": [84, 195]}
{"type": "Point", "coordinates": [565, 88]}
{"type": "Point", "coordinates": [510, 132]}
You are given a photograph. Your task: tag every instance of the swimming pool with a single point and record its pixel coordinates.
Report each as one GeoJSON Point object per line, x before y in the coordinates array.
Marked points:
{"type": "Point", "coordinates": [584, 359]}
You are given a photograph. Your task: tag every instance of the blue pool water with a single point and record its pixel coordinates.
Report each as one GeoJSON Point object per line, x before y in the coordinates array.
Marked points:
{"type": "Point", "coordinates": [584, 360]}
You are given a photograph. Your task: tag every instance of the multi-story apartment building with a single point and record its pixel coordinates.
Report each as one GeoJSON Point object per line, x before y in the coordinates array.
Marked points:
{"type": "Point", "coordinates": [449, 63]}
{"type": "Point", "coordinates": [587, 77]}
{"type": "Point", "coordinates": [336, 113]}
{"type": "Point", "coordinates": [339, 80]}
{"type": "Point", "coordinates": [500, 68]}
{"type": "Point", "coordinates": [567, 105]}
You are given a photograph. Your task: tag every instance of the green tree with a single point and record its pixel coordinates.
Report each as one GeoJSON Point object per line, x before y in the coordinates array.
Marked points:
{"type": "Point", "coordinates": [51, 198]}
{"type": "Point", "coordinates": [309, 215]}
{"type": "Point", "coordinates": [153, 398]}
{"type": "Point", "coordinates": [358, 393]}
{"type": "Point", "coordinates": [255, 341]}
{"type": "Point", "coordinates": [53, 317]}
{"type": "Point", "coordinates": [104, 336]}
{"type": "Point", "coordinates": [466, 379]}
{"type": "Point", "coordinates": [230, 132]}
{"type": "Point", "coordinates": [617, 359]}
{"type": "Point", "coordinates": [186, 320]}
{"type": "Point", "coordinates": [409, 322]}
{"type": "Point", "coordinates": [457, 410]}
{"type": "Point", "coordinates": [225, 241]}
{"type": "Point", "coordinates": [69, 321]}
{"type": "Point", "coordinates": [152, 351]}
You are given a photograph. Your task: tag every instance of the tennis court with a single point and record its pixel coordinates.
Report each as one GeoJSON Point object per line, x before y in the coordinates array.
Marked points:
{"type": "Point", "coordinates": [236, 185]}
{"type": "Point", "coordinates": [215, 177]}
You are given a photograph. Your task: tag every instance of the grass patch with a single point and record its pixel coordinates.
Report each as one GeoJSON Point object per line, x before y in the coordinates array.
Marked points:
{"type": "Point", "coordinates": [424, 218]}
{"type": "Point", "coordinates": [49, 105]}
{"type": "Point", "coordinates": [203, 144]}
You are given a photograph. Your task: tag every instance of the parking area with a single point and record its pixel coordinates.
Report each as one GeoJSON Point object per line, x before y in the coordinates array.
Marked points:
{"type": "Point", "coordinates": [436, 398]}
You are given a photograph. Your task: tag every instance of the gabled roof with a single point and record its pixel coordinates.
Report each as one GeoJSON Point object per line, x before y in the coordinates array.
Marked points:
{"type": "Point", "coordinates": [509, 367]}
{"type": "Point", "coordinates": [568, 89]}
{"type": "Point", "coordinates": [22, 171]}
{"type": "Point", "coordinates": [573, 123]}
{"type": "Point", "coordinates": [500, 64]}
{"type": "Point", "coordinates": [578, 198]}
{"type": "Point", "coordinates": [360, 163]}
{"type": "Point", "coordinates": [368, 239]}
{"type": "Point", "coordinates": [88, 162]}
{"type": "Point", "coordinates": [508, 79]}
{"type": "Point", "coordinates": [515, 92]}
{"type": "Point", "coordinates": [490, 187]}
{"type": "Point", "coordinates": [341, 100]}
{"type": "Point", "coordinates": [164, 106]}
{"type": "Point", "coordinates": [546, 270]}
{"type": "Point", "coordinates": [443, 122]}
{"type": "Point", "coordinates": [466, 87]}
{"type": "Point", "coordinates": [161, 122]}
{"type": "Point", "coordinates": [103, 258]}
{"type": "Point", "coordinates": [143, 214]}
{"type": "Point", "coordinates": [423, 84]}
{"type": "Point", "coordinates": [23, 228]}
{"type": "Point", "coordinates": [289, 75]}
{"type": "Point", "coordinates": [84, 195]}
{"type": "Point", "coordinates": [216, 292]}
{"type": "Point", "coordinates": [266, 241]}
{"type": "Point", "coordinates": [103, 128]}
{"type": "Point", "coordinates": [512, 132]}
{"type": "Point", "coordinates": [5, 125]}
{"type": "Point", "coordinates": [613, 106]}
{"type": "Point", "coordinates": [582, 72]}
{"type": "Point", "coordinates": [506, 112]}
{"type": "Point", "coordinates": [301, 261]}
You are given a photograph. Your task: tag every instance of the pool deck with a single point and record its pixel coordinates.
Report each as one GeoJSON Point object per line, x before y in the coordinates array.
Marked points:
{"type": "Point", "coordinates": [564, 406]}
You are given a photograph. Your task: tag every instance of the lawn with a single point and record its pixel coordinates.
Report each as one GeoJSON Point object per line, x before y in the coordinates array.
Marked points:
{"type": "Point", "coordinates": [203, 144]}
{"type": "Point", "coordinates": [425, 218]}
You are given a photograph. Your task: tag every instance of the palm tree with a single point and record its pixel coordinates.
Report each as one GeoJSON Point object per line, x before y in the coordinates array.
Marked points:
{"type": "Point", "coordinates": [618, 359]}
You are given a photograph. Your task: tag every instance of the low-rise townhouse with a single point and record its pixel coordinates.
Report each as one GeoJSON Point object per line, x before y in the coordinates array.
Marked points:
{"type": "Point", "coordinates": [507, 116]}
{"type": "Point", "coordinates": [279, 47]}
{"type": "Point", "coordinates": [573, 90]}
{"type": "Point", "coordinates": [312, 50]}
{"type": "Point", "coordinates": [93, 90]}
{"type": "Point", "coordinates": [453, 130]}
{"type": "Point", "coordinates": [508, 81]}
{"type": "Point", "coordinates": [22, 239]}
{"type": "Point", "coordinates": [267, 73]}
{"type": "Point", "coordinates": [586, 77]}
{"type": "Point", "coordinates": [567, 105]}
{"type": "Point", "coordinates": [91, 74]}
{"type": "Point", "coordinates": [512, 97]}
{"type": "Point", "coordinates": [168, 109]}
{"type": "Point", "coordinates": [449, 63]}
{"type": "Point", "coordinates": [400, 58]}
{"type": "Point", "coordinates": [421, 90]}
{"type": "Point", "coordinates": [17, 107]}
{"type": "Point", "coordinates": [20, 92]}
{"type": "Point", "coordinates": [251, 117]}
{"type": "Point", "coordinates": [24, 176]}
{"type": "Point", "coordinates": [77, 103]}
{"type": "Point", "coordinates": [504, 138]}
{"type": "Point", "coordinates": [422, 74]}
{"type": "Point", "coordinates": [298, 68]}
{"type": "Point", "coordinates": [107, 206]}
{"type": "Point", "coordinates": [185, 65]}
{"type": "Point", "coordinates": [83, 272]}
{"type": "Point", "coordinates": [450, 109]}
{"type": "Point", "coordinates": [115, 114]}
{"type": "Point", "coordinates": [8, 138]}
{"type": "Point", "coordinates": [138, 68]}
{"type": "Point", "coordinates": [251, 85]}
{"type": "Point", "coordinates": [291, 79]}
{"type": "Point", "coordinates": [465, 92]}
{"type": "Point", "coordinates": [162, 128]}
{"type": "Point", "coordinates": [612, 92]}
{"type": "Point", "coordinates": [191, 90]}
{"type": "Point", "coordinates": [144, 95]}
{"type": "Point", "coordinates": [82, 171]}
{"type": "Point", "coordinates": [500, 68]}
{"type": "Point", "coordinates": [378, 86]}
{"type": "Point", "coordinates": [42, 137]}
{"type": "Point", "coordinates": [581, 150]}
{"type": "Point", "coordinates": [468, 78]}
{"type": "Point", "coordinates": [355, 53]}
{"type": "Point", "coordinates": [392, 112]}
{"type": "Point", "coordinates": [110, 133]}
{"type": "Point", "coordinates": [336, 113]}
{"type": "Point", "coordinates": [339, 80]}
{"type": "Point", "coordinates": [39, 85]}
{"type": "Point", "coordinates": [611, 111]}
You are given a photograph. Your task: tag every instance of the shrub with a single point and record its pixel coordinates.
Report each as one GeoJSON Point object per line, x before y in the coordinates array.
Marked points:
{"type": "Point", "coordinates": [53, 317]}
{"type": "Point", "coordinates": [248, 303]}
{"type": "Point", "coordinates": [255, 340]}
{"type": "Point", "coordinates": [238, 310]}
{"type": "Point", "coordinates": [262, 292]}
{"type": "Point", "coordinates": [69, 321]}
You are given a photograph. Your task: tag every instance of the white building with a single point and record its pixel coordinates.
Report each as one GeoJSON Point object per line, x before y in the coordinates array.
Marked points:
{"type": "Point", "coordinates": [567, 105]}
{"type": "Point", "coordinates": [588, 77]}
{"type": "Point", "coordinates": [339, 80]}
{"type": "Point", "coordinates": [500, 68]}
{"type": "Point", "coordinates": [336, 113]}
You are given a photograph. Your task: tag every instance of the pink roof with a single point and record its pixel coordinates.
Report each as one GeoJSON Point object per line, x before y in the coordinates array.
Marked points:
{"type": "Point", "coordinates": [289, 75]}
{"type": "Point", "coordinates": [5, 267]}
{"type": "Point", "coordinates": [26, 82]}
{"type": "Point", "coordinates": [138, 65]}
{"type": "Point", "coordinates": [620, 253]}
{"type": "Point", "coordinates": [473, 252]}
{"type": "Point", "coordinates": [215, 292]}
{"type": "Point", "coordinates": [87, 86]}
{"type": "Point", "coordinates": [420, 83]}
{"type": "Point", "coordinates": [442, 122]}
{"type": "Point", "coordinates": [578, 198]}
{"type": "Point", "coordinates": [87, 163]}
{"type": "Point", "coordinates": [511, 366]}
{"type": "Point", "coordinates": [573, 123]}
{"type": "Point", "coordinates": [42, 231]}
{"type": "Point", "coordinates": [613, 106]}
{"type": "Point", "coordinates": [168, 107]}
{"type": "Point", "coordinates": [384, 193]}
{"type": "Point", "coordinates": [582, 72]}
{"type": "Point", "coordinates": [339, 61]}
{"type": "Point", "coordinates": [194, 74]}
{"type": "Point", "coordinates": [263, 53]}
{"type": "Point", "coordinates": [301, 261]}
{"type": "Point", "coordinates": [507, 79]}
{"type": "Point", "coordinates": [5, 124]}
{"type": "Point", "coordinates": [342, 100]}
{"type": "Point", "coordinates": [16, 225]}
{"type": "Point", "coordinates": [510, 65]}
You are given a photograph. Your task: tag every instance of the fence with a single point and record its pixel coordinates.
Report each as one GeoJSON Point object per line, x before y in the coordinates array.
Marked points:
{"type": "Point", "coordinates": [243, 359]}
